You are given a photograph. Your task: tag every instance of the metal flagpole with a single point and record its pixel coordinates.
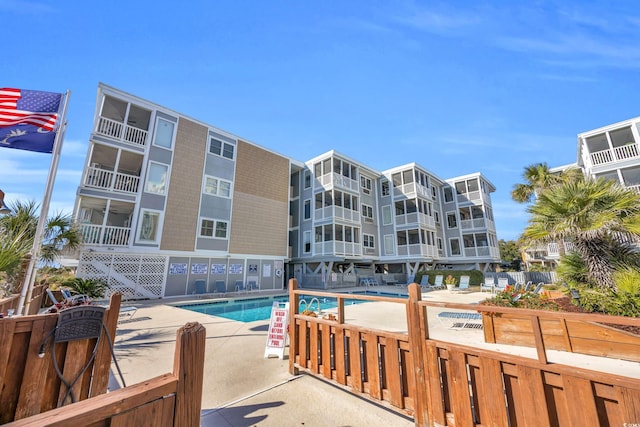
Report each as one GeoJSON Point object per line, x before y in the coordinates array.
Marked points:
{"type": "Point", "coordinates": [44, 209]}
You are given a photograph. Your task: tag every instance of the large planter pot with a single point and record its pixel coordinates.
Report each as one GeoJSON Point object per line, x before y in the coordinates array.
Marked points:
{"type": "Point", "coordinates": [575, 336]}
{"type": "Point", "coordinates": [451, 287]}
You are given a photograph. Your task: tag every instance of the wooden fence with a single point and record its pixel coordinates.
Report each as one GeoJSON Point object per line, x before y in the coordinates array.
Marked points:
{"type": "Point", "coordinates": [172, 399]}
{"type": "Point", "coordinates": [29, 383]}
{"type": "Point", "coordinates": [37, 295]}
{"type": "Point", "coordinates": [452, 384]}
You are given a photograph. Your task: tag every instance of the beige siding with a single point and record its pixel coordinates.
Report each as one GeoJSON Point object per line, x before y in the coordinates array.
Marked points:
{"type": "Point", "coordinates": [260, 202]}
{"type": "Point", "coordinates": [183, 199]}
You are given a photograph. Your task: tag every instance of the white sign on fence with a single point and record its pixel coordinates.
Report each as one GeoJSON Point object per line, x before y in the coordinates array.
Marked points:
{"type": "Point", "coordinates": [277, 336]}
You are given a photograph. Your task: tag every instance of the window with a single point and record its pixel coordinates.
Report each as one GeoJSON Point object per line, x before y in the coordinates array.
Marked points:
{"type": "Point", "coordinates": [389, 248]}
{"type": "Point", "coordinates": [385, 188]}
{"type": "Point", "coordinates": [451, 220]}
{"type": "Point", "coordinates": [402, 238]}
{"type": "Point", "coordinates": [368, 241]}
{"type": "Point", "coordinates": [213, 228]}
{"type": "Point", "coordinates": [307, 209]}
{"type": "Point", "coordinates": [437, 216]}
{"type": "Point", "coordinates": [164, 133]}
{"type": "Point", "coordinates": [448, 194]}
{"type": "Point", "coordinates": [307, 179]}
{"type": "Point", "coordinates": [365, 183]}
{"type": "Point", "coordinates": [221, 229]}
{"type": "Point", "coordinates": [306, 242]}
{"type": "Point", "coordinates": [367, 213]}
{"type": "Point", "coordinates": [400, 208]}
{"type": "Point", "coordinates": [433, 192]}
{"type": "Point", "coordinates": [156, 178]}
{"type": "Point", "coordinates": [149, 226]}
{"type": "Point", "coordinates": [454, 244]}
{"type": "Point", "coordinates": [386, 215]}
{"type": "Point", "coordinates": [413, 237]}
{"type": "Point", "coordinates": [206, 227]}
{"type": "Point", "coordinates": [220, 148]}
{"type": "Point", "coordinates": [217, 187]}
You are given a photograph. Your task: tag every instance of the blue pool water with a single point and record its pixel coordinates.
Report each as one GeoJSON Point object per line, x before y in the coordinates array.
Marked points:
{"type": "Point", "coordinates": [253, 309]}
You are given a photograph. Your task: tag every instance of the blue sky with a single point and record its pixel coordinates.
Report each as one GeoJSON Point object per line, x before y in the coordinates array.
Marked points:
{"type": "Point", "coordinates": [458, 87]}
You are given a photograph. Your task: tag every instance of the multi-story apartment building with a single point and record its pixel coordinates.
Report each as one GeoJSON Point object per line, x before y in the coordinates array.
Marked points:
{"type": "Point", "coordinates": [172, 206]}
{"type": "Point", "coordinates": [610, 152]}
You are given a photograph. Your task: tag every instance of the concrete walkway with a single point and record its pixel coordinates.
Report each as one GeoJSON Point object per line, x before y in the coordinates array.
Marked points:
{"type": "Point", "coordinates": [242, 388]}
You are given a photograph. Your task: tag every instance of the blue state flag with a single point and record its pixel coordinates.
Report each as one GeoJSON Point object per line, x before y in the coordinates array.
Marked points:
{"type": "Point", "coordinates": [29, 119]}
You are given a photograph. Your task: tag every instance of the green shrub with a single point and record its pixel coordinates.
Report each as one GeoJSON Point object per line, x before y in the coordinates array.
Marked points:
{"type": "Point", "coordinates": [93, 288]}
{"type": "Point", "coordinates": [522, 299]}
{"type": "Point", "coordinates": [608, 301]}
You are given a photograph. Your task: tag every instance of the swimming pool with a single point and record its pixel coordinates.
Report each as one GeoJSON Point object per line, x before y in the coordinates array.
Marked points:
{"type": "Point", "coordinates": [253, 309]}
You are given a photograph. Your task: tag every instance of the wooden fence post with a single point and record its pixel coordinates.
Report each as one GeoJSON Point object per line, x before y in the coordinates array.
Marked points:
{"type": "Point", "coordinates": [102, 364]}
{"type": "Point", "coordinates": [188, 368]}
{"type": "Point", "coordinates": [294, 303]}
{"type": "Point", "coordinates": [417, 331]}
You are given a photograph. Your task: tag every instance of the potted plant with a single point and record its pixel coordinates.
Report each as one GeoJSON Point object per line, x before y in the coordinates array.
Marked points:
{"type": "Point", "coordinates": [451, 282]}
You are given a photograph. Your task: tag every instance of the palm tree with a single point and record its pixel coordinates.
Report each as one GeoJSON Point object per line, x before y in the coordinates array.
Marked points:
{"type": "Point", "coordinates": [600, 217]}
{"type": "Point", "coordinates": [20, 226]}
{"type": "Point", "coordinates": [539, 178]}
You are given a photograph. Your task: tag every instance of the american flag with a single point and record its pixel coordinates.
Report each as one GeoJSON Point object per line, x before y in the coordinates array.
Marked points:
{"type": "Point", "coordinates": [29, 107]}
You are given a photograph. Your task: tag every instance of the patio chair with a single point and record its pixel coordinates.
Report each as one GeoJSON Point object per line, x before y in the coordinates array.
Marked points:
{"type": "Point", "coordinates": [528, 286]}
{"type": "Point", "coordinates": [252, 285]}
{"type": "Point", "coordinates": [221, 287]}
{"type": "Point", "coordinates": [438, 281]}
{"type": "Point", "coordinates": [240, 287]}
{"type": "Point", "coordinates": [503, 282]}
{"type": "Point", "coordinates": [201, 286]}
{"type": "Point", "coordinates": [464, 284]}
{"type": "Point", "coordinates": [125, 313]}
{"type": "Point", "coordinates": [538, 288]}
{"type": "Point", "coordinates": [424, 283]}
{"type": "Point", "coordinates": [489, 284]}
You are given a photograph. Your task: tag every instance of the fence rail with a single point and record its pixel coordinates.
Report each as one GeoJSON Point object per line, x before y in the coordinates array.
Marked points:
{"type": "Point", "coordinates": [453, 384]}
{"type": "Point", "coordinates": [29, 382]}
{"type": "Point", "coordinates": [172, 399]}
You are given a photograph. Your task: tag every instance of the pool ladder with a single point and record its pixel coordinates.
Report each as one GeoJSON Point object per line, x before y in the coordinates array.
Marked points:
{"type": "Point", "coordinates": [309, 305]}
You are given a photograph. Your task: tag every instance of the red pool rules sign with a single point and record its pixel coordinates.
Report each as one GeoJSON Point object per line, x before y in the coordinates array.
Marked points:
{"type": "Point", "coordinates": [277, 337]}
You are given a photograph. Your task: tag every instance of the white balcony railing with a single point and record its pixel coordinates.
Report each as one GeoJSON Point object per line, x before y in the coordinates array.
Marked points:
{"type": "Point", "coordinates": [126, 183]}
{"type": "Point", "coordinates": [103, 178]}
{"type": "Point", "coordinates": [99, 178]}
{"type": "Point", "coordinates": [93, 234]}
{"type": "Point", "coordinates": [472, 223]}
{"type": "Point", "coordinates": [114, 129]}
{"type": "Point", "coordinates": [629, 151]}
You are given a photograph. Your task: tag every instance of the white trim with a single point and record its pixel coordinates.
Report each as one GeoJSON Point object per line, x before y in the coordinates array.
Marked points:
{"type": "Point", "coordinates": [215, 225]}
{"type": "Point", "coordinates": [160, 217]}
{"type": "Point", "coordinates": [155, 133]}
{"type": "Point", "coordinates": [217, 194]}
{"type": "Point", "coordinates": [166, 180]}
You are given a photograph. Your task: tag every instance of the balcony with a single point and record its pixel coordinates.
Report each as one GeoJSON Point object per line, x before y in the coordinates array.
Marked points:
{"type": "Point", "coordinates": [105, 179]}
{"type": "Point", "coordinates": [418, 250]}
{"type": "Point", "coordinates": [336, 247]}
{"type": "Point", "coordinates": [416, 218]}
{"type": "Point", "coordinates": [481, 251]}
{"type": "Point", "coordinates": [121, 132]}
{"type": "Point", "coordinates": [339, 181]}
{"type": "Point", "coordinates": [411, 190]}
{"type": "Point", "coordinates": [467, 224]}
{"type": "Point", "coordinates": [99, 235]}
{"type": "Point", "coordinates": [337, 212]}
{"type": "Point", "coordinates": [624, 152]}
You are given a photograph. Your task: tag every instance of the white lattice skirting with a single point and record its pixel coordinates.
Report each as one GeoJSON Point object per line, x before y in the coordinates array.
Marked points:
{"type": "Point", "coordinates": [134, 276]}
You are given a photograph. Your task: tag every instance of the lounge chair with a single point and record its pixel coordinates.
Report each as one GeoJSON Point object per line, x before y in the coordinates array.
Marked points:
{"type": "Point", "coordinates": [221, 287]}
{"type": "Point", "coordinates": [424, 283]}
{"type": "Point", "coordinates": [528, 286]}
{"type": "Point", "coordinates": [538, 288]}
{"type": "Point", "coordinates": [252, 285]}
{"type": "Point", "coordinates": [489, 284]}
{"type": "Point", "coordinates": [201, 286]}
{"type": "Point", "coordinates": [240, 286]}
{"type": "Point", "coordinates": [503, 282]}
{"type": "Point", "coordinates": [438, 281]}
{"type": "Point", "coordinates": [125, 313]}
{"type": "Point", "coordinates": [464, 284]}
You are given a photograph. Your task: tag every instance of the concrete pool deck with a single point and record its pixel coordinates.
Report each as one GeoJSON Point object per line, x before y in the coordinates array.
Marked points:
{"type": "Point", "coordinates": [242, 388]}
